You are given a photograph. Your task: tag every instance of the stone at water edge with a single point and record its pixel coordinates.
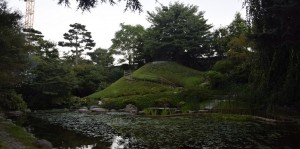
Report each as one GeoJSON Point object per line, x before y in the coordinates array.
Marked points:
{"type": "Point", "coordinates": [99, 110]}
{"type": "Point", "coordinates": [93, 106]}
{"type": "Point", "coordinates": [15, 113]}
{"type": "Point", "coordinates": [141, 112]}
{"type": "Point", "coordinates": [83, 110]}
{"type": "Point", "coordinates": [131, 109]}
{"type": "Point", "coordinates": [44, 144]}
{"type": "Point", "coordinates": [99, 103]}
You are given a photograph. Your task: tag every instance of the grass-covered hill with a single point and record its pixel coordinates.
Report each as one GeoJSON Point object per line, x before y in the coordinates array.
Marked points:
{"type": "Point", "coordinates": [156, 84]}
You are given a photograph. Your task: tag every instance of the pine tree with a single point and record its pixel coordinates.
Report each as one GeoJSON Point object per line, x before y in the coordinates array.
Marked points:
{"type": "Point", "coordinates": [79, 39]}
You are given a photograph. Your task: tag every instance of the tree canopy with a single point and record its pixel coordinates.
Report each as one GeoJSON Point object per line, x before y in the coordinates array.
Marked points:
{"type": "Point", "coordinates": [276, 35]}
{"type": "Point", "coordinates": [88, 4]}
{"type": "Point", "coordinates": [13, 51]}
{"type": "Point", "coordinates": [13, 58]}
{"type": "Point", "coordinates": [178, 32]}
{"type": "Point", "coordinates": [79, 38]}
{"type": "Point", "coordinates": [128, 42]}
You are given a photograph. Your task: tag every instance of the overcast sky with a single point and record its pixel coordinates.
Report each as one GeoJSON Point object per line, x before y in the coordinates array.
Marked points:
{"type": "Point", "coordinates": [103, 21]}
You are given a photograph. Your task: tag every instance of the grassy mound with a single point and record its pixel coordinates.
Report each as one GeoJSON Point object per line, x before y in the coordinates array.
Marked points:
{"type": "Point", "coordinates": [156, 84]}
{"type": "Point", "coordinates": [170, 72]}
{"type": "Point", "coordinates": [125, 87]}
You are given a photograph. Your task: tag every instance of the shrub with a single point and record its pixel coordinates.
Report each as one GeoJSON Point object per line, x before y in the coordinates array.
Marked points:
{"type": "Point", "coordinates": [10, 100]}
{"type": "Point", "coordinates": [215, 78]}
{"type": "Point", "coordinates": [163, 102]}
{"type": "Point", "coordinates": [223, 66]}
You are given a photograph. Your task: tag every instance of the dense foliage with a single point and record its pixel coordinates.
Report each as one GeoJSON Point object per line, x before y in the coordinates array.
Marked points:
{"type": "Point", "coordinates": [277, 61]}
{"type": "Point", "coordinates": [128, 42]}
{"type": "Point", "coordinates": [79, 38]}
{"type": "Point", "coordinates": [88, 4]}
{"type": "Point", "coordinates": [259, 58]}
{"type": "Point", "coordinates": [178, 33]}
{"type": "Point", "coordinates": [13, 58]}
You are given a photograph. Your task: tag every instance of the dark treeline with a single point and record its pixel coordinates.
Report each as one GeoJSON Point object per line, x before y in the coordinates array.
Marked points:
{"type": "Point", "coordinates": [256, 60]}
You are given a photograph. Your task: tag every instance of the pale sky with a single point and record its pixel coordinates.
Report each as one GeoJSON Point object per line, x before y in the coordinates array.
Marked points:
{"type": "Point", "coordinates": [103, 21]}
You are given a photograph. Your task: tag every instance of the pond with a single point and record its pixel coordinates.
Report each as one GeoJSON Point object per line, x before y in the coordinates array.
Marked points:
{"type": "Point", "coordinates": [73, 130]}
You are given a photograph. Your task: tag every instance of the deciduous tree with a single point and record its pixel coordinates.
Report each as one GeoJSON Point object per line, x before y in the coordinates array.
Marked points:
{"type": "Point", "coordinates": [102, 57]}
{"type": "Point", "coordinates": [129, 42]}
{"type": "Point", "coordinates": [178, 32]}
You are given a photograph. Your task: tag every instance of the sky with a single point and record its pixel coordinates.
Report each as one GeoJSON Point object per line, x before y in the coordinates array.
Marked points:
{"type": "Point", "coordinates": [103, 21]}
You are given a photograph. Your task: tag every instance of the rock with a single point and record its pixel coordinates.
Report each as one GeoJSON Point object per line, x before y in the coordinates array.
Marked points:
{"type": "Point", "coordinates": [99, 110]}
{"type": "Point", "coordinates": [28, 111]}
{"type": "Point", "coordinates": [99, 103]}
{"type": "Point", "coordinates": [141, 112]}
{"type": "Point", "coordinates": [131, 109]}
{"type": "Point", "coordinates": [204, 84]}
{"type": "Point", "coordinates": [15, 113]}
{"type": "Point", "coordinates": [83, 110]}
{"type": "Point", "coordinates": [113, 110]}
{"type": "Point", "coordinates": [43, 144]}
{"type": "Point", "coordinates": [93, 106]}
{"type": "Point", "coordinates": [190, 111]}
{"type": "Point", "coordinates": [178, 111]}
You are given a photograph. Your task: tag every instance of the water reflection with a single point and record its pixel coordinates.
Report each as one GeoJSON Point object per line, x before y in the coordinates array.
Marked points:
{"type": "Point", "coordinates": [119, 142]}
{"type": "Point", "coordinates": [86, 147]}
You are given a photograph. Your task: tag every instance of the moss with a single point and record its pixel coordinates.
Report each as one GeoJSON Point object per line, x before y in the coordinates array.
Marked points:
{"type": "Point", "coordinates": [20, 134]}
{"type": "Point", "coordinates": [3, 145]}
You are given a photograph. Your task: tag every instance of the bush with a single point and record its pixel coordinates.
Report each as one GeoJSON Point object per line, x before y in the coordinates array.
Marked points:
{"type": "Point", "coordinates": [10, 100]}
{"type": "Point", "coordinates": [215, 78]}
{"type": "Point", "coordinates": [223, 66]}
{"type": "Point", "coordinates": [163, 102]}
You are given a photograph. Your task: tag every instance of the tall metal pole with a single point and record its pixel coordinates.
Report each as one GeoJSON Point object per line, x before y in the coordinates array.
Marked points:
{"type": "Point", "coordinates": [29, 17]}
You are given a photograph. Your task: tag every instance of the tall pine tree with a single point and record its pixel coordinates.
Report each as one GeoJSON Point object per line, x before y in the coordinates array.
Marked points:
{"type": "Point", "coordinates": [79, 39]}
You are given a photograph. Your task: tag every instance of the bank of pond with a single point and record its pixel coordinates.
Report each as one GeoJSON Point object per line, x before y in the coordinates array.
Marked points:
{"type": "Point", "coordinates": [75, 130]}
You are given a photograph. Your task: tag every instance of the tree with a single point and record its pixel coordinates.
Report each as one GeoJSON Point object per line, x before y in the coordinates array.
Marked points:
{"type": "Point", "coordinates": [13, 51]}
{"type": "Point", "coordinates": [220, 39]}
{"type": "Point", "coordinates": [178, 32]}
{"type": "Point", "coordinates": [238, 26]}
{"type": "Point", "coordinates": [88, 4]}
{"type": "Point", "coordinates": [229, 37]}
{"type": "Point", "coordinates": [128, 42]}
{"type": "Point", "coordinates": [78, 38]}
{"type": "Point", "coordinates": [49, 80]}
{"type": "Point", "coordinates": [13, 58]}
{"type": "Point", "coordinates": [277, 48]}
{"type": "Point", "coordinates": [102, 57]}
{"type": "Point", "coordinates": [232, 44]}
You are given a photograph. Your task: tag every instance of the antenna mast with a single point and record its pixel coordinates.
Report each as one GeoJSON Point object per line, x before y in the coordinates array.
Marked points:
{"type": "Point", "coordinates": [29, 17]}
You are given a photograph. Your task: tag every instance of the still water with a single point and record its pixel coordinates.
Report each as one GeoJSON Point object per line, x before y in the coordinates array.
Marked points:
{"type": "Point", "coordinates": [72, 130]}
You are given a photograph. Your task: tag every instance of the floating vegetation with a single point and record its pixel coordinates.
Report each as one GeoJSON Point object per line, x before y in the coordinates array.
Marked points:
{"type": "Point", "coordinates": [204, 131]}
